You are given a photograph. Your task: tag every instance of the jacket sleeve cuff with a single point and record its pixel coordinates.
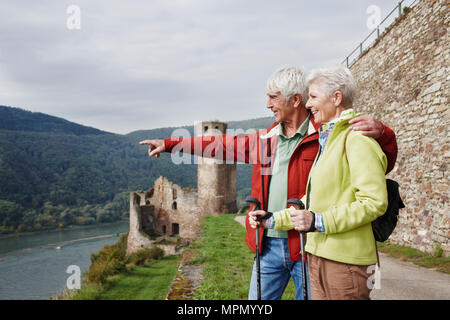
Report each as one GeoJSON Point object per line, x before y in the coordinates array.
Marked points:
{"type": "Point", "coordinates": [319, 225]}
{"type": "Point", "coordinates": [384, 136]}
{"type": "Point", "coordinates": [388, 143]}
{"type": "Point", "coordinates": [171, 142]}
{"type": "Point", "coordinates": [283, 219]}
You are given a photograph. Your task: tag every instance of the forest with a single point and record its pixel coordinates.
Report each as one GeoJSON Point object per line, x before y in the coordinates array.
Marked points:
{"type": "Point", "coordinates": [55, 173]}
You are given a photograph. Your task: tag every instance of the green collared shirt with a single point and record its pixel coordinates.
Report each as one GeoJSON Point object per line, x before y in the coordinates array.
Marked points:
{"type": "Point", "coordinates": [279, 181]}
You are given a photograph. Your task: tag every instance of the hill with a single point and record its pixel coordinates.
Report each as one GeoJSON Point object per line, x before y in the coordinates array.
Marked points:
{"type": "Point", "coordinates": [54, 172]}
{"type": "Point", "coordinates": [17, 119]}
{"type": "Point", "coordinates": [162, 133]}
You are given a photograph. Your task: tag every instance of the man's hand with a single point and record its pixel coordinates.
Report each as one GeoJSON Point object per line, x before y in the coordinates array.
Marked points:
{"type": "Point", "coordinates": [155, 147]}
{"type": "Point", "coordinates": [253, 215]}
{"type": "Point", "coordinates": [302, 220]}
{"type": "Point", "coordinates": [368, 125]}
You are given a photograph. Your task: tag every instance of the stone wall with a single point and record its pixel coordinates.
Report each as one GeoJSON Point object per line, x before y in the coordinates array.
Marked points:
{"type": "Point", "coordinates": [165, 210]}
{"type": "Point", "coordinates": [175, 206]}
{"type": "Point", "coordinates": [404, 81]}
{"type": "Point", "coordinates": [136, 238]}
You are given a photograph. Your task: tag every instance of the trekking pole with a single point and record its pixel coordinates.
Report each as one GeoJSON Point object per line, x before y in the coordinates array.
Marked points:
{"type": "Point", "coordinates": [298, 205]}
{"type": "Point", "coordinates": [258, 244]}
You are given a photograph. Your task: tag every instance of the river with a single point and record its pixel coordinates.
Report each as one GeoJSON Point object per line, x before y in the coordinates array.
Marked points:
{"type": "Point", "coordinates": [34, 266]}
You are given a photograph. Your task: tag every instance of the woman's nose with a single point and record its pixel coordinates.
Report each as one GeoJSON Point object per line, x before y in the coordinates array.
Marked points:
{"type": "Point", "coordinates": [308, 106]}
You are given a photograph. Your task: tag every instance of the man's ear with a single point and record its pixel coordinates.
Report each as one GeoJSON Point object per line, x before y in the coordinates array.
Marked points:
{"type": "Point", "coordinates": [297, 100]}
{"type": "Point", "coordinates": [337, 98]}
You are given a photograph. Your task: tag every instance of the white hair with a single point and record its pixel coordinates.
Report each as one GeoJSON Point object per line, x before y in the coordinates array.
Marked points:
{"type": "Point", "coordinates": [288, 81]}
{"type": "Point", "coordinates": [337, 78]}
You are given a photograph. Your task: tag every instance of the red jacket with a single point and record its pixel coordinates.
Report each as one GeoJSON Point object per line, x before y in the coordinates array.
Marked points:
{"type": "Point", "coordinates": [247, 148]}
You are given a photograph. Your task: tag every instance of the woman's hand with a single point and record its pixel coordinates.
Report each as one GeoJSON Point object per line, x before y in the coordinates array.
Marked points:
{"type": "Point", "coordinates": [302, 220]}
{"type": "Point", "coordinates": [253, 215]}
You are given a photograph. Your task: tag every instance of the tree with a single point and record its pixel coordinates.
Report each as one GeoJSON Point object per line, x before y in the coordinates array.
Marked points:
{"type": "Point", "coordinates": [11, 214]}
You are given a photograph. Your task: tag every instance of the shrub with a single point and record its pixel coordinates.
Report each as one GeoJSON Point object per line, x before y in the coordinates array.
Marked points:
{"type": "Point", "coordinates": [142, 256]}
{"type": "Point", "coordinates": [112, 260]}
{"type": "Point", "coordinates": [101, 270]}
{"type": "Point", "coordinates": [438, 251]}
{"type": "Point", "coordinates": [108, 261]}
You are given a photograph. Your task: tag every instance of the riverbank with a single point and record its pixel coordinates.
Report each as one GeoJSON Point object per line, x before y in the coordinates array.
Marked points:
{"type": "Point", "coordinates": [65, 228]}
{"type": "Point", "coordinates": [146, 274]}
{"type": "Point", "coordinates": [34, 267]}
{"type": "Point", "coordinates": [25, 242]}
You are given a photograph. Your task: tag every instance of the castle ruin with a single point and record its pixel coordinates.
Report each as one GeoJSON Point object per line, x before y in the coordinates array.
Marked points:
{"type": "Point", "coordinates": [168, 212]}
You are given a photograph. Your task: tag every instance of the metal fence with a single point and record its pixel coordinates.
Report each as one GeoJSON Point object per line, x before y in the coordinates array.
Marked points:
{"type": "Point", "coordinates": [401, 8]}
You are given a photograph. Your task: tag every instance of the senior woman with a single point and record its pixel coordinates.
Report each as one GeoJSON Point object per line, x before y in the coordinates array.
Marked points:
{"type": "Point", "coordinates": [345, 193]}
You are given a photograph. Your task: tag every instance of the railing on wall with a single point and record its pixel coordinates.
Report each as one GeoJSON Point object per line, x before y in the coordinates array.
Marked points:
{"type": "Point", "coordinates": [402, 8]}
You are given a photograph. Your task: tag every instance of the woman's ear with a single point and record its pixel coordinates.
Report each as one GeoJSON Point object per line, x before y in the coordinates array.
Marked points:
{"type": "Point", "coordinates": [337, 98]}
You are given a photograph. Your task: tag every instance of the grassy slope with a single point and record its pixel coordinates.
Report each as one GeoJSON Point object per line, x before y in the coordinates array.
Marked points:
{"type": "Point", "coordinates": [144, 283]}
{"type": "Point", "coordinates": [149, 282]}
{"type": "Point", "coordinates": [221, 250]}
{"type": "Point", "coordinates": [227, 261]}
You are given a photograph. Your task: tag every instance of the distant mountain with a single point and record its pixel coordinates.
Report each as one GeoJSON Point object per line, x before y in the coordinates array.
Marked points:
{"type": "Point", "coordinates": [160, 133]}
{"type": "Point", "coordinates": [53, 171]}
{"type": "Point", "coordinates": [17, 119]}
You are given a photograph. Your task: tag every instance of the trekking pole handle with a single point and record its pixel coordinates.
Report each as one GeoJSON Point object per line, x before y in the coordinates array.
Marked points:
{"type": "Point", "coordinates": [257, 204]}
{"type": "Point", "coordinates": [266, 216]}
{"type": "Point", "coordinates": [254, 201]}
{"type": "Point", "coordinates": [296, 203]}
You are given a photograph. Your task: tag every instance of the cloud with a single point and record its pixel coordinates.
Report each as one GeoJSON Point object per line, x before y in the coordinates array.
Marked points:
{"type": "Point", "coordinates": [147, 64]}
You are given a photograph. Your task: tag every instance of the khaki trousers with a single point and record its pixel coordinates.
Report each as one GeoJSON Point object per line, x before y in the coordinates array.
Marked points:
{"type": "Point", "coordinates": [332, 280]}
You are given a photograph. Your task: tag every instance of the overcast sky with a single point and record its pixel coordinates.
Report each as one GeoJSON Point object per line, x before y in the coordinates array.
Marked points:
{"type": "Point", "coordinates": [135, 65]}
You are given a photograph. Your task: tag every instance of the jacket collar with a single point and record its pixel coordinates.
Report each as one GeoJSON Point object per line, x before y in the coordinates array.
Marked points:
{"type": "Point", "coordinates": [313, 127]}
{"type": "Point", "coordinates": [273, 129]}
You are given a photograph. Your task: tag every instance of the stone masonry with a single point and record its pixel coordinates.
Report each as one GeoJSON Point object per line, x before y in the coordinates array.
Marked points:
{"type": "Point", "coordinates": [404, 81]}
{"type": "Point", "coordinates": [216, 180]}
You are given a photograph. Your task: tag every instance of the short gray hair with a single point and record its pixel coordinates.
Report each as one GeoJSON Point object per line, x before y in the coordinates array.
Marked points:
{"type": "Point", "coordinates": [288, 81]}
{"type": "Point", "coordinates": [337, 78]}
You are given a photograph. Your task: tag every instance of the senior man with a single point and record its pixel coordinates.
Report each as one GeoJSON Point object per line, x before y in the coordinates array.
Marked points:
{"type": "Point", "coordinates": [281, 159]}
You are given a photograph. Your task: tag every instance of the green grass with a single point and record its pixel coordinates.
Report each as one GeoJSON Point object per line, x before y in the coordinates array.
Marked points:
{"type": "Point", "coordinates": [151, 282]}
{"type": "Point", "coordinates": [146, 274]}
{"type": "Point", "coordinates": [226, 259]}
{"type": "Point", "coordinates": [423, 259]}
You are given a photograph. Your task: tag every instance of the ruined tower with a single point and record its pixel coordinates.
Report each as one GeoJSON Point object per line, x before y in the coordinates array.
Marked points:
{"type": "Point", "coordinates": [216, 180]}
{"type": "Point", "coordinates": [167, 211]}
